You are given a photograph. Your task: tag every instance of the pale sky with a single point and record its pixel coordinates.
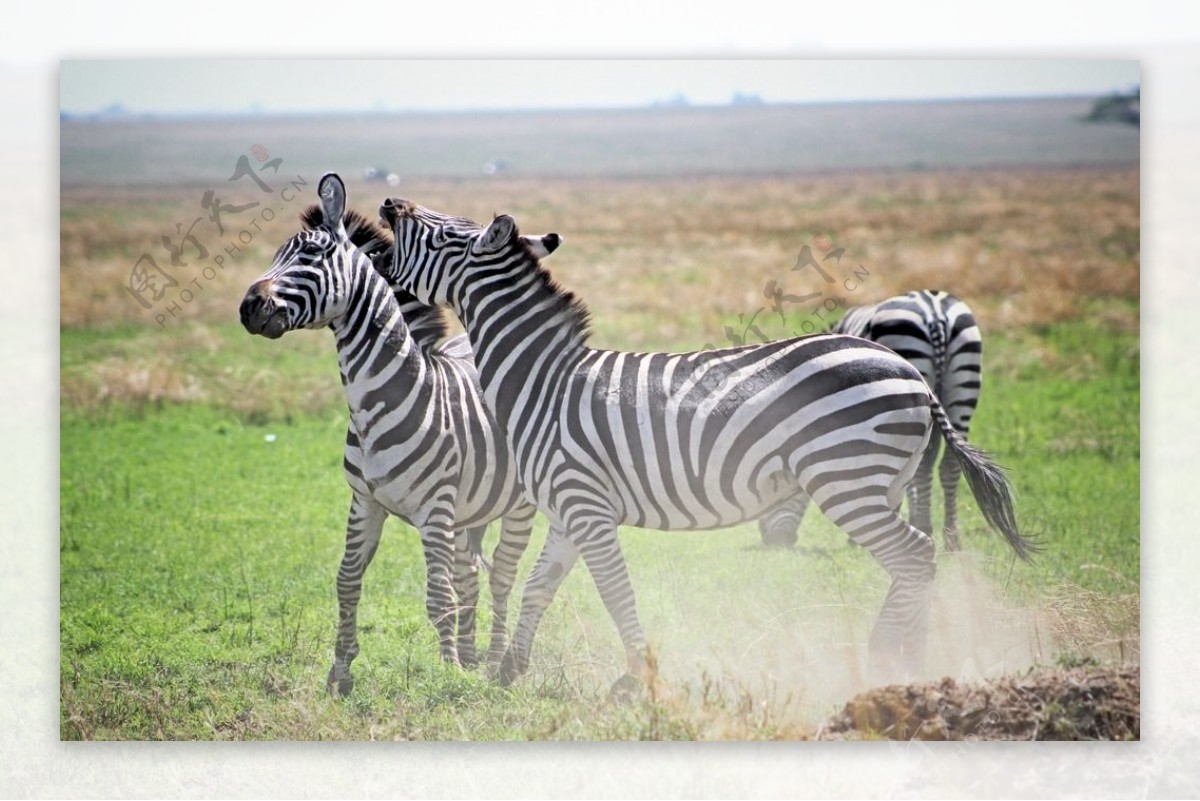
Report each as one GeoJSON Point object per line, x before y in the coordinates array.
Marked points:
{"type": "Point", "coordinates": [193, 86]}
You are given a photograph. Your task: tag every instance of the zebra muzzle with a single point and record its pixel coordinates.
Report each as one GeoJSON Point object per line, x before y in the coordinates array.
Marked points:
{"type": "Point", "coordinates": [260, 314]}
{"type": "Point", "coordinates": [393, 208]}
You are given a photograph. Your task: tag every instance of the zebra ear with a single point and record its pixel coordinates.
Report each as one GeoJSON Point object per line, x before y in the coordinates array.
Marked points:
{"type": "Point", "coordinates": [333, 202]}
{"type": "Point", "coordinates": [499, 234]}
{"type": "Point", "coordinates": [542, 246]}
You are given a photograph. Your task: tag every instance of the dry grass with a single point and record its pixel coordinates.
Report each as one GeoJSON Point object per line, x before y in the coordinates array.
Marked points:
{"type": "Point", "coordinates": [662, 263]}
{"type": "Point", "coordinates": [1087, 624]}
{"type": "Point", "coordinates": [670, 261]}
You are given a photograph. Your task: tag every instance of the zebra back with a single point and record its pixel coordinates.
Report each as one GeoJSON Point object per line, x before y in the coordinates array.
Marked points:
{"type": "Point", "coordinates": [937, 333]}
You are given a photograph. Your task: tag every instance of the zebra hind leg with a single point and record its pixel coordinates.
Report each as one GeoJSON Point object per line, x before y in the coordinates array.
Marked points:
{"type": "Point", "coordinates": [466, 588]}
{"type": "Point", "coordinates": [780, 527]}
{"type": "Point", "coordinates": [920, 491]}
{"type": "Point", "coordinates": [514, 539]}
{"type": "Point", "coordinates": [555, 561]}
{"type": "Point", "coordinates": [897, 642]}
{"type": "Point", "coordinates": [951, 471]}
{"type": "Point", "coordinates": [363, 529]}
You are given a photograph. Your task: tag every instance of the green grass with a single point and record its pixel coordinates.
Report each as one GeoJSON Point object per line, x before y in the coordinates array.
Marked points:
{"type": "Point", "coordinates": [198, 564]}
{"type": "Point", "coordinates": [1068, 427]}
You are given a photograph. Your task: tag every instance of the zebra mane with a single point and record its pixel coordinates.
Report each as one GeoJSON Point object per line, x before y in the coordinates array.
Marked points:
{"type": "Point", "coordinates": [364, 234]}
{"type": "Point", "coordinates": [573, 310]}
{"type": "Point", "coordinates": [425, 323]}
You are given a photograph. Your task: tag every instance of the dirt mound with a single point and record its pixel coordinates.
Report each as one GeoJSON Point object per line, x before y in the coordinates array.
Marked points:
{"type": "Point", "coordinates": [1086, 703]}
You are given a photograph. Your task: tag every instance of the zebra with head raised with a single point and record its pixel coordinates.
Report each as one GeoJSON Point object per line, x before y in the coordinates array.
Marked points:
{"type": "Point", "coordinates": [684, 441]}
{"type": "Point", "coordinates": [937, 333]}
{"type": "Point", "coordinates": [421, 445]}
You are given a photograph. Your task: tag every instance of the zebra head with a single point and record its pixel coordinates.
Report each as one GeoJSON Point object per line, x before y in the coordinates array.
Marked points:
{"type": "Point", "coordinates": [313, 273]}
{"type": "Point", "coordinates": [431, 248]}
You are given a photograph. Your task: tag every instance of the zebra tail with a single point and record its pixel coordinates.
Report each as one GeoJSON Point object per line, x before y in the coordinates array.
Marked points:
{"type": "Point", "coordinates": [988, 484]}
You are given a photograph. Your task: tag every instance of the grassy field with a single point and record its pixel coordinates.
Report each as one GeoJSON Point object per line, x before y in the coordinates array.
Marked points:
{"type": "Point", "coordinates": [198, 556]}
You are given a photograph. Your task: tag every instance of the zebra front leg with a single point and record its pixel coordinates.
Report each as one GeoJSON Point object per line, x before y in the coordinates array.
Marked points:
{"type": "Point", "coordinates": [363, 529]}
{"type": "Point", "coordinates": [438, 542]}
{"type": "Point", "coordinates": [554, 563]}
{"type": "Point", "coordinates": [514, 539]}
{"type": "Point", "coordinates": [601, 551]}
{"type": "Point", "coordinates": [950, 472]}
{"type": "Point", "coordinates": [466, 588]}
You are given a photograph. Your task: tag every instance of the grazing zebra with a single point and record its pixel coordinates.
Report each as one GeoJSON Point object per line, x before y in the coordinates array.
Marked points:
{"type": "Point", "coordinates": [420, 445]}
{"type": "Point", "coordinates": [937, 333]}
{"type": "Point", "coordinates": [684, 441]}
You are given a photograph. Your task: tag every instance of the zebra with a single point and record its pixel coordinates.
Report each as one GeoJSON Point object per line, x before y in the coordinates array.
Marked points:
{"type": "Point", "coordinates": [420, 444]}
{"type": "Point", "coordinates": [685, 441]}
{"type": "Point", "coordinates": [937, 332]}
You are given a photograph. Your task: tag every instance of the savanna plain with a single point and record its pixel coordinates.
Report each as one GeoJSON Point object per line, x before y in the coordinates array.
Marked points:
{"type": "Point", "coordinates": [202, 499]}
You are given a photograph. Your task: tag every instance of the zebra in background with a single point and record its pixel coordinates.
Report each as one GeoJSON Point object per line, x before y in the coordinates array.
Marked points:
{"type": "Point", "coordinates": [420, 444]}
{"type": "Point", "coordinates": [938, 334]}
{"type": "Point", "coordinates": [684, 441]}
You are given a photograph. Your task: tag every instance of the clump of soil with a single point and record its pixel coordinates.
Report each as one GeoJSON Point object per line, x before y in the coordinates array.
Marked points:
{"type": "Point", "coordinates": [1083, 703]}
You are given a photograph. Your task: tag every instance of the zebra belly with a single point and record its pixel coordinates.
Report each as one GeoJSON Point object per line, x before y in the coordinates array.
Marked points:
{"type": "Point", "coordinates": [414, 482]}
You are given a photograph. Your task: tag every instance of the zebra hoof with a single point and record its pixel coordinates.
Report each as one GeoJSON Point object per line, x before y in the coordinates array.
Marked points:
{"type": "Point", "coordinates": [341, 687]}
{"type": "Point", "coordinates": [779, 539]}
{"type": "Point", "coordinates": [950, 538]}
{"type": "Point", "coordinates": [494, 660]}
{"type": "Point", "coordinates": [627, 690]}
{"type": "Point", "coordinates": [885, 664]}
{"type": "Point", "coordinates": [467, 659]}
{"type": "Point", "coordinates": [509, 670]}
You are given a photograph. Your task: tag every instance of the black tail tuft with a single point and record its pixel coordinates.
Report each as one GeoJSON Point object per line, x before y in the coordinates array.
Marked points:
{"type": "Point", "coordinates": [988, 484]}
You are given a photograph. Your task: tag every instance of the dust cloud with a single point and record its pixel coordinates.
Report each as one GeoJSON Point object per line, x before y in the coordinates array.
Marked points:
{"type": "Point", "coordinates": [743, 673]}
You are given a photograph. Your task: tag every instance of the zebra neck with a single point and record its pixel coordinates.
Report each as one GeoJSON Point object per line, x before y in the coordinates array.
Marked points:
{"type": "Point", "coordinates": [425, 323]}
{"type": "Point", "coordinates": [380, 362]}
{"type": "Point", "coordinates": [525, 331]}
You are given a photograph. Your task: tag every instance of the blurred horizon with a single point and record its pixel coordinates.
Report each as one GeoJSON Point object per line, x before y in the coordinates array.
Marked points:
{"type": "Point", "coordinates": [282, 87]}
{"type": "Point", "coordinates": [661, 141]}
{"type": "Point", "coordinates": [117, 111]}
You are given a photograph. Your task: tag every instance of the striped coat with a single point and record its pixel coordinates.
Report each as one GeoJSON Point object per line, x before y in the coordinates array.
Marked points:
{"type": "Point", "coordinates": [937, 333]}
{"type": "Point", "coordinates": [684, 441]}
{"type": "Point", "coordinates": [421, 444]}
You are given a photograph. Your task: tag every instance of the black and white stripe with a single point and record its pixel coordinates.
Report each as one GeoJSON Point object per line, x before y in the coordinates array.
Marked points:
{"type": "Point", "coordinates": [937, 333]}
{"type": "Point", "coordinates": [421, 444]}
{"type": "Point", "coordinates": [684, 441]}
